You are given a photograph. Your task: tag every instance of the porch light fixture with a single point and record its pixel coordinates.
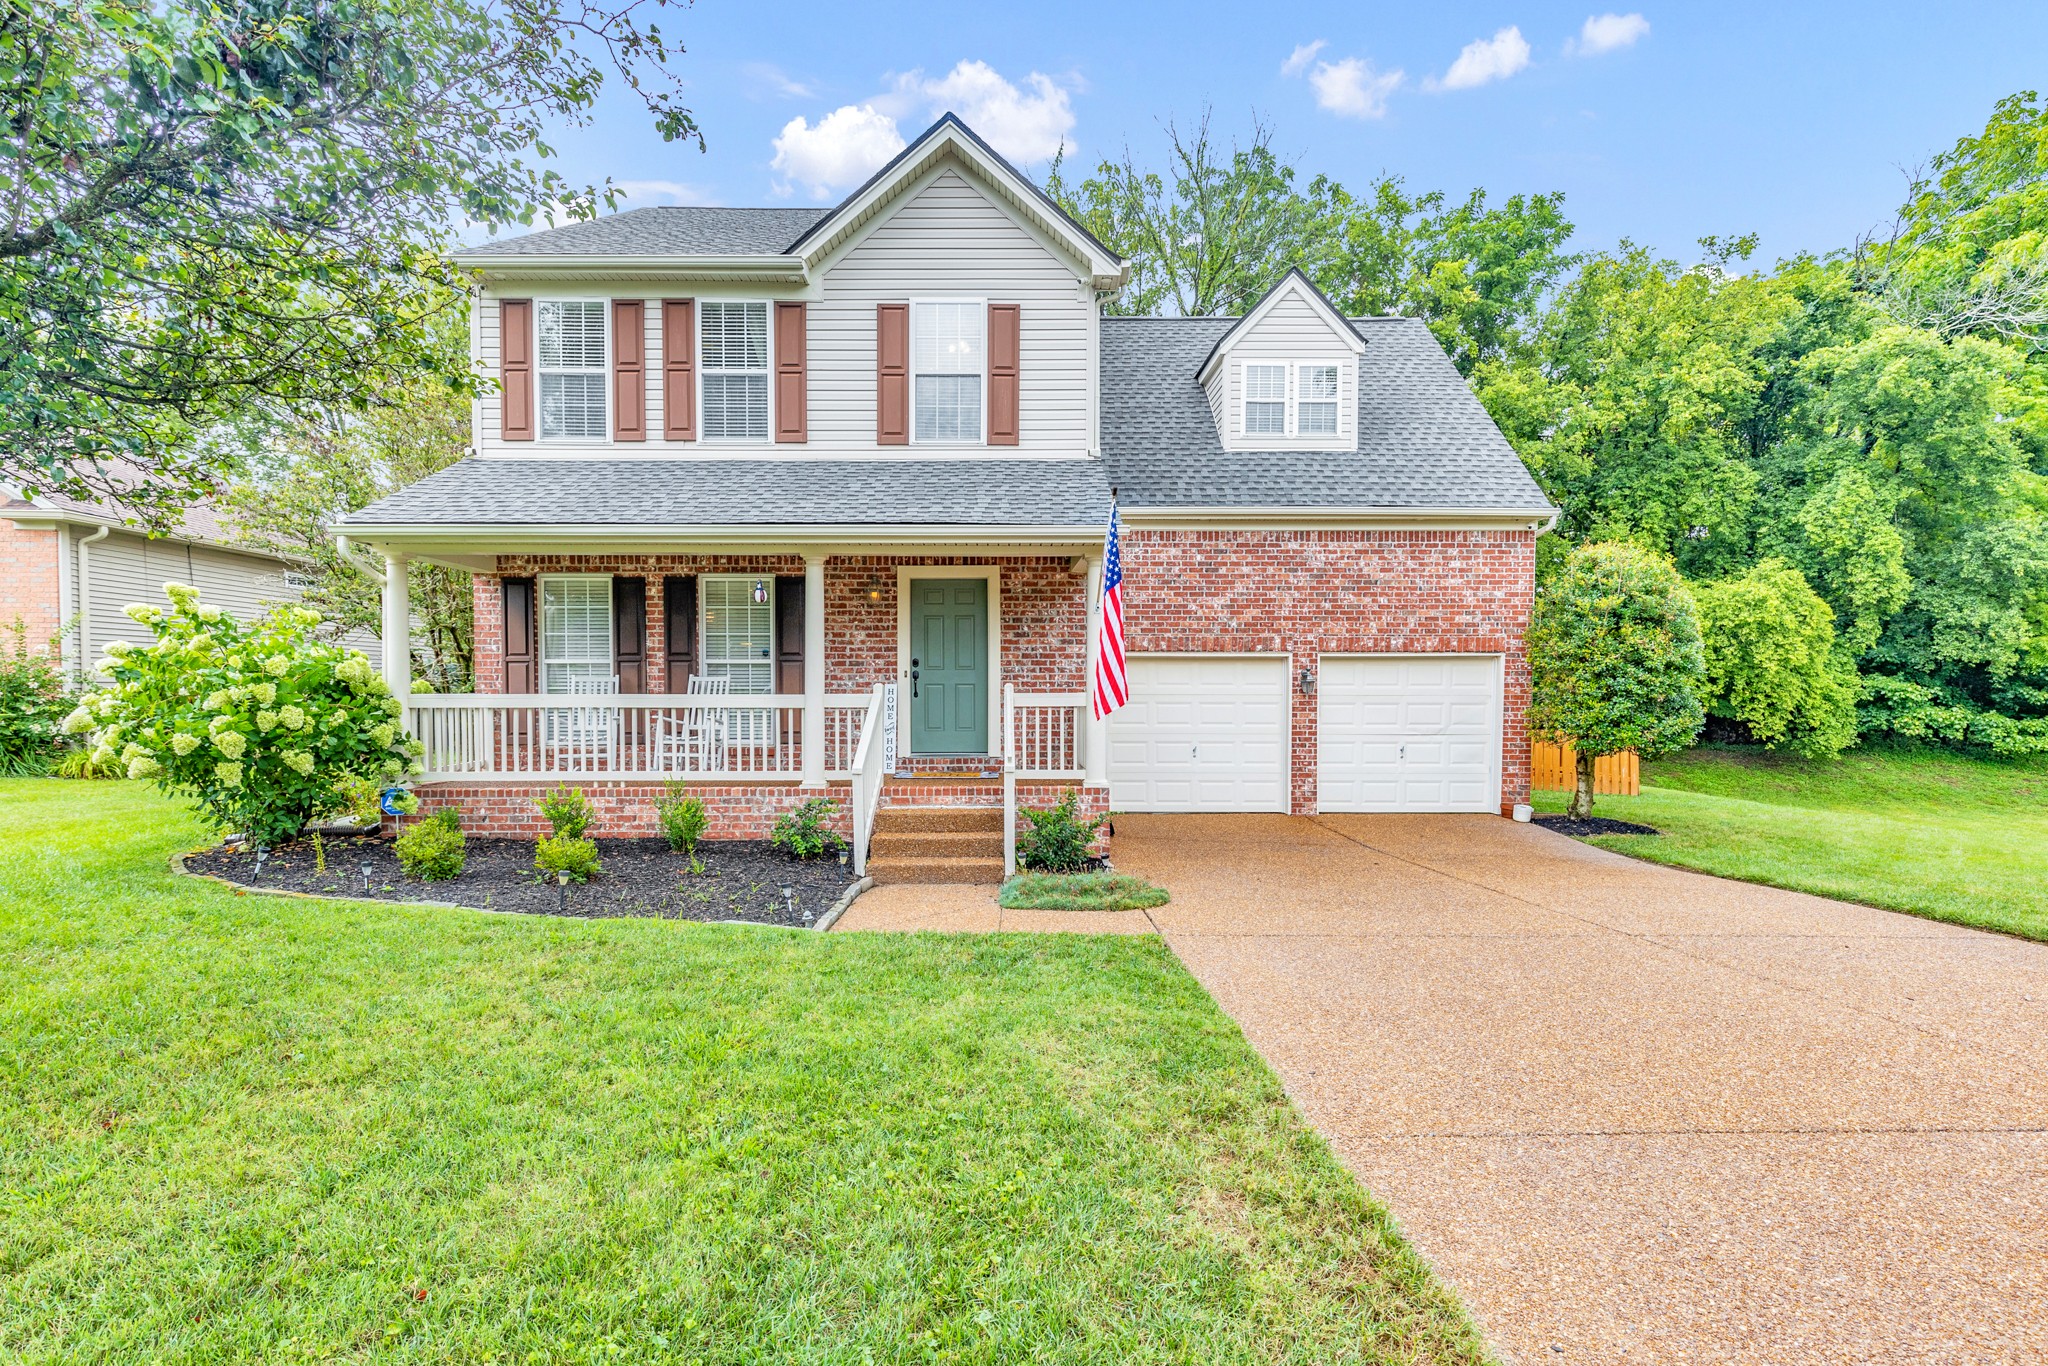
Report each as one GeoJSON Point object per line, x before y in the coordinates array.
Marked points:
{"type": "Point", "coordinates": [1308, 682]}
{"type": "Point", "coordinates": [760, 592]}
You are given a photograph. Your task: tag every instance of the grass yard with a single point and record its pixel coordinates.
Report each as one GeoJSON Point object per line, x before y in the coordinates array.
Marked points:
{"type": "Point", "coordinates": [1919, 830]}
{"type": "Point", "coordinates": [246, 1128]}
{"type": "Point", "coordinates": [1079, 892]}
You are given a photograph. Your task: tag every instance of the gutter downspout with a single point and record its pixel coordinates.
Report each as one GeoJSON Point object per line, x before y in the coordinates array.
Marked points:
{"type": "Point", "coordinates": [85, 660]}
{"type": "Point", "coordinates": [348, 556]}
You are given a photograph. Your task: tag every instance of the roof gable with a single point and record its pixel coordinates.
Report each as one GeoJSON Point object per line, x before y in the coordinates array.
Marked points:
{"type": "Point", "coordinates": [1294, 286]}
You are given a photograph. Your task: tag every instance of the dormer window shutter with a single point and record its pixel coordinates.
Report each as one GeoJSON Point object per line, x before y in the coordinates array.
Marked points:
{"type": "Point", "coordinates": [679, 369]}
{"type": "Point", "coordinates": [791, 376]}
{"type": "Point", "coordinates": [1005, 327]}
{"type": "Point", "coordinates": [629, 370]}
{"type": "Point", "coordinates": [515, 369]}
{"type": "Point", "coordinates": [892, 374]}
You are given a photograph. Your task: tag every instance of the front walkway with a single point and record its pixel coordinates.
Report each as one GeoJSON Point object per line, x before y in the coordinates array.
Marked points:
{"type": "Point", "coordinates": [1635, 1114]}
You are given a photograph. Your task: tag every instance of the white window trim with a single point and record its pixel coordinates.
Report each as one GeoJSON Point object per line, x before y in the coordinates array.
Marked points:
{"type": "Point", "coordinates": [994, 575]}
{"type": "Point", "coordinates": [767, 436]}
{"type": "Point", "coordinates": [911, 339]}
{"type": "Point", "coordinates": [611, 626]}
{"type": "Point", "coordinates": [540, 371]}
{"type": "Point", "coordinates": [1292, 434]}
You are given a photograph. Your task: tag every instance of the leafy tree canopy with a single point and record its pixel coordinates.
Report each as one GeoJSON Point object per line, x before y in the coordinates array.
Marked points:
{"type": "Point", "coordinates": [216, 207]}
{"type": "Point", "coordinates": [1772, 663]}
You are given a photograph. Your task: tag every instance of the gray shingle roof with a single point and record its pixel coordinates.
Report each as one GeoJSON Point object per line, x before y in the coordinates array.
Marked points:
{"type": "Point", "coordinates": [665, 230]}
{"type": "Point", "coordinates": [967, 491]}
{"type": "Point", "coordinates": [1424, 440]}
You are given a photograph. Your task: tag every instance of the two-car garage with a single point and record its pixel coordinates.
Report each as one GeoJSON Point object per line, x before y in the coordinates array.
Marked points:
{"type": "Point", "coordinates": [1211, 732]}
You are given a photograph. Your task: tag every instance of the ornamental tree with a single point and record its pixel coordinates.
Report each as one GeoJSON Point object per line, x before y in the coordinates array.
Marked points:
{"type": "Point", "coordinates": [260, 725]}
{"type": "Point", "coordinates": [1772, 661]}
{"type": "Point", "coordinates": [1615, 661]}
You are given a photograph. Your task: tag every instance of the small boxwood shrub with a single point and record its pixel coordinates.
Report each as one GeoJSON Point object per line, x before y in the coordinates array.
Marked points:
{"type": "Point", "coordinates": [571, 854]}
{"type": "Point", "coordinates": [566, 810]}
{"type": "Point", "coordinates": [433, 850]}
{"type": "Point", "coordinates": [683, 818]}
{"type": "Point", "coordinates": [1056, 841]}
{"type": "Point", "coordinates": [804, 833]}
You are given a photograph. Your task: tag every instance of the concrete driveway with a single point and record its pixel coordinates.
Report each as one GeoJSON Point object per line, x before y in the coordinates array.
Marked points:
{"type": "Point", "coordinates": [1635, 1114]}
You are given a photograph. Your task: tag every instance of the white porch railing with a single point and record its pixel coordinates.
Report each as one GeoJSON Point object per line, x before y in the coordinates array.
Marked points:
{"type": "Point", "coordinates": [626, 736]}
{"type": "Point", "coordinates": [1044, 735]}
{"type": "Point", "coordinates": [874, 758]}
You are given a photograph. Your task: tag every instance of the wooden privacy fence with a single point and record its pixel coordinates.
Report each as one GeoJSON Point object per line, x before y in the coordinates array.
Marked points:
{"type": "Point", "coordinates": [1555, 768]}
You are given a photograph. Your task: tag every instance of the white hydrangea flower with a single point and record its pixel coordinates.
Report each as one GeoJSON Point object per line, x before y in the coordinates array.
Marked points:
{"type": "Point", "coordinates": [231, 743]}
{"type": "Point", "coordinates": [183, 744]}
{"type": "Point", "coordinates": [142, 766]}
{"type": "Point", "coordinates": [131, 751]}
{"type": "Point", "coordinates": [200, 641]}
{"type": "Point", "coordinates": [230, 775]}
{"type": "Point", "coordinates": [119, 648]}
{"type": "Point", "coordinates": [140, 612]}
{"type": "Point", "coordinates": [291, 717]}
{"type": "Point", "coordinates": [382, 733]}
{"type": "Point", "coordinates": [183, 594]}
{"type": "Point", "coordinates": [79, 722]}
{"type": "Point", "coordinates": [277, 666]}
{"type": "Point", "coordinates": [265, 720]}
{"type": "Point", "coordinates": [209, 614]}
{"type": "Point", "coordinates": [103, 756]}
{"type": "Point", "coordinates": [393, 707]}
{"type": "Point", "coordinates": [299, 761]}
{"type": "Point", "coordinates": [215, 701]}
{"type": "Point", "coordinates": [265, 693]}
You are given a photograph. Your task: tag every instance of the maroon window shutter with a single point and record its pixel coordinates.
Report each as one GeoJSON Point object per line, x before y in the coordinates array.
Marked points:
{"type": "Point", "coordinates": [629, 370]}
{"type": "Point", "coordinates": [522, 637]}
{"type": "Point", "coordinates": [1004, 343]}
{"type": "Point", "coordinates": [679, 369]}
{"type": "Point", "coordinates": [515, 369]}
{"type": "Point", "coordinates": [892, 374]}
{"type": "Point", "coordinates": [679, 610]}
{"type": "Point", "coordinates": [789, 633]}
{"type": "Point", "coordinates": [629, 632]}
{"type": "Point", "coordinates": [791, 377]}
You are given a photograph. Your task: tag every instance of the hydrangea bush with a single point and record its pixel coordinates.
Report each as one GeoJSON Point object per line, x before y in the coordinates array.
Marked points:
{"type": "Point", "coordinates": [262, 725]}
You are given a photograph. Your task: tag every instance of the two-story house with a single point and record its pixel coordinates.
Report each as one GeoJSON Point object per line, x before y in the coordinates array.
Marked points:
{"type": "Point", "coordinates": [798, 502]}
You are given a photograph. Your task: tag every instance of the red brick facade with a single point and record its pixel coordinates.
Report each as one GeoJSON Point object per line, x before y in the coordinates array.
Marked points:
{"type": "Point", "coordinates": [28, 586]}
{"type": "Point", "coordinates": [1305, 593]}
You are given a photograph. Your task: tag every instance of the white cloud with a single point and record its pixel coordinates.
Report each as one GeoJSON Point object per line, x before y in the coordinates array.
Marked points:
{"type": "Point", "coordinates": [1352, 89]}
{"type": "Point", "coordinates": [766, 78]}
{"type": "Point", "coordinates": [1602, 33]}
{"type": "Point", "coordinates": [1485, 60]}
{"type": "Point", "coordinates": [638, 194]}
{"type": "Point", "coordinates": [1298, 60]}
{"type": "Point", "coordinates": [848, 145]}
{"type": "Point", "coordinates": [1024, 125]}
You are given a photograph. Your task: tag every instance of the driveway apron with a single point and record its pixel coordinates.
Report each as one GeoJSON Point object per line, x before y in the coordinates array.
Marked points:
{"type": "Point", "coordinates": [1636, 1114]}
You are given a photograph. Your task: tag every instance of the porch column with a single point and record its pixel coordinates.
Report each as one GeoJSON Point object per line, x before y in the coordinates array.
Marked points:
{"type": "Point", "coordinates": [814, 671]}
{"type": "Point", "coordinates": [397, 628]}
{"type": "Point", "coordinates": [1094, 733]}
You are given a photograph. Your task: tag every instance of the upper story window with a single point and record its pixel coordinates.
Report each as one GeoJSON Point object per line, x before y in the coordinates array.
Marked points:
{"type": "Point", "coordinates": [732, 350]}
{"type": "Point", "coordinates": [1290, 399]}
{"type": "Point", "coordinates": [948, 367]}
{"type": "Point", "coordinates": [572, 369]}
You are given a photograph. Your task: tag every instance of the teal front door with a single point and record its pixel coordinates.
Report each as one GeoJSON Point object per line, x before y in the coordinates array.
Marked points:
{"type": "Point", "coordinates": [949, 666]}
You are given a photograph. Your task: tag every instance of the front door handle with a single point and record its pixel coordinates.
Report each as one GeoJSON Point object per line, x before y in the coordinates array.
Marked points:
{"type": "Point", "coordinates": [913, 678]}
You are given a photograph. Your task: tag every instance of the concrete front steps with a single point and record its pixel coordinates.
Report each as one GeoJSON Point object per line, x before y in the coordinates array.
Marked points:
{"type": "Point", "coordinates": [937, 844]}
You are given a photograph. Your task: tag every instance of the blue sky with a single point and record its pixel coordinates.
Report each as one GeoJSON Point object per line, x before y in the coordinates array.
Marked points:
{"type": "Point", "coordinates": [1660, 124]}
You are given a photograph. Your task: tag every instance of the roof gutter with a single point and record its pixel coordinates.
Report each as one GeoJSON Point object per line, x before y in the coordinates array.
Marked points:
{"type": "Point", "coordinates": [522, 266]}
{"type": "Point", "coordinates": [1539, 519]}
{"type": "Point", "coordinates": [524, 535]}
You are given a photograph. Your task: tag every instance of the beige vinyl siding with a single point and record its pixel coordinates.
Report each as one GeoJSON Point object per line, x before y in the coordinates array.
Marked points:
{"type": "Point", "coordinates": [127, 568]}
{"type": "Point", "coordinates": [944, 237]}
{"type": "Point", "coordinates": [1293, 331]}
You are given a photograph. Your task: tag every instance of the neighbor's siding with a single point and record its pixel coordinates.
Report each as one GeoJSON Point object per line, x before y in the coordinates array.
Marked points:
{"type": "Point", "coordinates": [127, 568]}
{"type": "Point", "coordinates": [1293, 331]}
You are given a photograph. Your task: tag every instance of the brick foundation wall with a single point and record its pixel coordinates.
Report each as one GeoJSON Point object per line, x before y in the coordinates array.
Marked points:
{"type": "Point", "coordinates": [28, 586]}
{"type": "Point", "coordinates": [1305, 593]}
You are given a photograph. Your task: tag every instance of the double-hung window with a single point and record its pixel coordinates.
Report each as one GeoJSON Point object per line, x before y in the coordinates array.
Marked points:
{"type": "Point", "coordinates": [732, 350]}
{"type": "Point", "coordinates": [1265, 400]}
{"type": "Point", "coordinates": [739, 645]}
{"type": "Point", "coordinates": [1315, 404]}
{"type": "Point", "coordinates": [572, 369]}
{"type": "Point", "coordinates": [575, 632]}
{"type": "Point", "coordinates": [1290, 399]}
{"type": "Point", "coordinates": [949, 366]}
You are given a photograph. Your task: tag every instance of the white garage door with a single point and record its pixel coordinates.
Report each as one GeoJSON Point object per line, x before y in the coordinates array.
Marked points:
{"type": "Point", "coordinates": [1408, 733]}
{"type": "Point", "coordinates": [1201, 733]}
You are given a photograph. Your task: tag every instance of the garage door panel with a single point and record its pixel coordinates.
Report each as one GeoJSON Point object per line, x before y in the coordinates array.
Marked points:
{"type": "Point", "coordinates": [1202, 734]}
{"type": "Point", "coordinates": [1408, 733]}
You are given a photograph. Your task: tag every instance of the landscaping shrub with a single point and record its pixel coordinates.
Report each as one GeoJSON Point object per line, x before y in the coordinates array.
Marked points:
{"type": "Point", "coordinates": [1057, 840]}
{"type": "Point", "coordinates": [803, 833]}
{"type": "Point", "coordinates": [78, 762]}
{"type": "Point", "coordinates": [569, 854]}
{"type": "Point", "coordinates": [260, 725]}
{"type": "Point", "coordinates": [433, 850]}
{"type": "Point", "coordinates": [566, 810]}
{"type": "Point", "coordinates": [683, 818]}
{"type": "Point", "coordinates": [32, 707]}
{"type": "Point", "coordinates": [1772, 661]}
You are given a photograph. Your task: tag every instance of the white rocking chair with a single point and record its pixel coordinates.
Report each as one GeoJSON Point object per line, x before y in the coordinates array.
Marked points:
{"type": "Point", "coordinates": [585, 731]}
{"type": "Point", "coordinates": [692, 739]}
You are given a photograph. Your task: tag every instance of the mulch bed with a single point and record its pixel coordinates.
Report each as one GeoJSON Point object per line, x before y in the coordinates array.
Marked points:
{"type": "Point", "coordinates": [742, 879]}
{"type": "Point", "coordinates": [1594, 825]}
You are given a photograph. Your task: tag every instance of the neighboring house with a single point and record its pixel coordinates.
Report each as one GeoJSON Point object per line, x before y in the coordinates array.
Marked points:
{"type": "Point", "coordinates": [69, 570]}
{"type": "Point", "coordinates": [799, 454]}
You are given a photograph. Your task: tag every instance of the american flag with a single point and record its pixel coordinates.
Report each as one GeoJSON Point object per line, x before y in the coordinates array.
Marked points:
{"type": "Point", "coordinates": [1111, 688]}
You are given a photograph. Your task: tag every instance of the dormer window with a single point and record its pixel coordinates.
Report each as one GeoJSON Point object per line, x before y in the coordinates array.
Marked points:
{"type": "Point", "coordinates": [1291, 399]}
{"type": "Point", "coordinates": [948, 366]}
{"type": "Point", "coordinates": [573, 362]}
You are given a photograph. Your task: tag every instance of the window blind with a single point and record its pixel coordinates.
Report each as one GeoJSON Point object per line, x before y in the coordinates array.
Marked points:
{"type": "Point", "coordinates": [1316, 410]}
{"type": "Point", "coordinates": [575, 629]}
{"type": "Point", "coordinates": [948, 362]}
{"type": "Point", "coordinates": [739, 633]}
{"type": "Point", "coordinates": [732, 369]}
{"type": "Point", "coordinates": [1265, 399]}
{"type": "Point", "coordinates": [572, 368]}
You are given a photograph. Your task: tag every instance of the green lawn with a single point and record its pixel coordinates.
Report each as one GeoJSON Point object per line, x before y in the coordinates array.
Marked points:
{"type": "Point", "coordinates": [243, 1128]}
{"type": "Point", "coordinates": [1919, 830]}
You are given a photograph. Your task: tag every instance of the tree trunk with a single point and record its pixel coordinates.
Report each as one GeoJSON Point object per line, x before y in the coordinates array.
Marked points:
{"type": "Point", "coordinates": [1582, 795]}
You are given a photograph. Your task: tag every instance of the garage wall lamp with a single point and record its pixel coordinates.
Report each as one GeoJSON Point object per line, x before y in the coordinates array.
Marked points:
{"type": "Point", "coordinates": [1308, 682]}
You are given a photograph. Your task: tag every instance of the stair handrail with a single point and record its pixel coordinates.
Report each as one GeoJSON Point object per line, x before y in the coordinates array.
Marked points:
{"type": "Point", "coordinates": [869, 770]}
{"type": "Point", "coordinates": [1009, 780]}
